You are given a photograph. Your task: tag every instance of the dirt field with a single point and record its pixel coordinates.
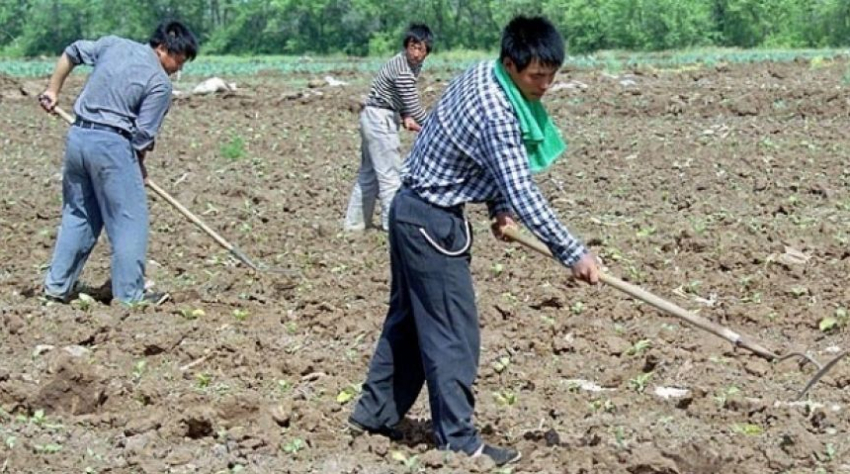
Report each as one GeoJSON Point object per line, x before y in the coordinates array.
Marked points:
{"type": "Point", "coordinates": [722, 189]}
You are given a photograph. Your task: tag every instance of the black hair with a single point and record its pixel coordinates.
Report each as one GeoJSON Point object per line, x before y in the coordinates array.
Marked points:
{"type": "Point", "coordinates": [526, 39]}
{"type": "Point", "coordinates": [420, 33]}
{"type": "Point", "coordinates": [177, 39]}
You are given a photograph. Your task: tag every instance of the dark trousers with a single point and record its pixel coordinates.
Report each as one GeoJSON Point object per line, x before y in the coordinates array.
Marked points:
{"type": "Point", "coordinates": [431, 332]}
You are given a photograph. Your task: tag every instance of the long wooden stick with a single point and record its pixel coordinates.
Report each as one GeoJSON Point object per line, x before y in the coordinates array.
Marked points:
{"type": "Point", "coordinates": [739, 340]}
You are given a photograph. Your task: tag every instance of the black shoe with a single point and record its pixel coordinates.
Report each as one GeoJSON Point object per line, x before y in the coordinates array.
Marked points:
{"type": "Point", "coordinates": [358, 429]}
{"type": "Point", "coordinates": [56, 299]}
{"type": "Point", "coordinates": [501, 456]}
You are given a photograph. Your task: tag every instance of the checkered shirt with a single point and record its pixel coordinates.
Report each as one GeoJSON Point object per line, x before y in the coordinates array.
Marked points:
{"type": "Point", "coordinates": [471, 150]}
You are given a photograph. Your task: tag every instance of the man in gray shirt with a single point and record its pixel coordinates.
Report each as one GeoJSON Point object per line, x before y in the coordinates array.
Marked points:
{"type": "Point", "coordinates": [119, 113]}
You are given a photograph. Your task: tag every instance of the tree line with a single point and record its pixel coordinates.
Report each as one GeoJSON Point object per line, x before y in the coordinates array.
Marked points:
{"type": "Point", "coordinates": [364, 27]}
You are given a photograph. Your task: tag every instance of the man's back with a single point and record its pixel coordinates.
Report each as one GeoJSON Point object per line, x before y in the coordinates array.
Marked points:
{"type": "Point", "coordinates": [125, 73]}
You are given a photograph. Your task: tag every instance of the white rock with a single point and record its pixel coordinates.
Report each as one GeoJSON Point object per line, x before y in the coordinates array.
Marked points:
{"type": "Point", "coordinates": [213, 85]}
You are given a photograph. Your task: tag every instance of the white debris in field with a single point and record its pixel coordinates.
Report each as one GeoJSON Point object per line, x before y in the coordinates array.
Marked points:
{"type": "Point", "coordinates": [832, 350]}
{"type": "Point", "coordinates": [335, 82]}
{"type": "Point", "coordinates": [214, 85]}
{"type": "Point", "coordinates": [671, 392]}
{"type": "Point", "coordinates": [586, 385]}
{"type": "Point", "coordinates": [572, 85]}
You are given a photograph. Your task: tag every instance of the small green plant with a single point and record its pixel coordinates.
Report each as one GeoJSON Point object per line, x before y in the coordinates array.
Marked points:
{"type": "Point", "coordinates": [240, 314]}
{"type": "Point", "coordinates": [829, 452]}
{"type": "Point", "coordinates": [49, 448]}
{"type": "Point", "coordinates": [831, 323]}
{"type": "Point", "coordinates": [348, 393]}
{"type": "Point", "coordinates": [234, 150]}
{"type": "Point", "coordinates": [721, 397]}
{"type": "Point", "coordinates": [639, 383]}
{"type": "Point", "coordinates": [293, 446]}
{"type": "Point", "coordinates": [747, 429]}
{"type": "Point", "coordinates": [204, 380]}
{"type": "Point", "coordinates": [411, 464]}
{"type": "Point", "coordinates": [506, 398]}
{"type": "Point", "coordinates": [83, 302]}
{"type": "Point", "coordinates": [577, 308]}
{"type": "Point", "coordinates": [38, 418]}
{"type": "Point", "coordinates": [602, 405]}
{"type": "Point", "coordinates": [497, 269]}
{"type": "Point", "coordinates": [620, 437]}
{"type": "Point", "coordinates": [639, 347]}
{"type": "Point", "coordinates": [10, 441]}
{"type": "Point", "coordinates": [139, 369]}
{"type": "Point", "coordinates": [502, 363]}
{"type": "Point", "coordinates": [192, 313]}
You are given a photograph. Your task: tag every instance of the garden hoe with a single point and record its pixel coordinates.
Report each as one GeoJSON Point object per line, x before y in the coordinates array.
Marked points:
{"type": "Point", "coordinates": [737, 339]}
{"type": "Point", "coordinates": [238, 254]}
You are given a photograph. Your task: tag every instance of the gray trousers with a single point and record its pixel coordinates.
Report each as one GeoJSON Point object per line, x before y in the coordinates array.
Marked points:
{"type": "Point", "coordinates": [431, 331]}
{"type": "Point", "coordinates": [101, 186]}
{"type": "Point", "coordinates": [380, 167]}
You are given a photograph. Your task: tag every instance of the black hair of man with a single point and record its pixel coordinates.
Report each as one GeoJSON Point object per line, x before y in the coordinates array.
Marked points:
{"type": "Point", "coordinates": [419, 33]}
{"type": "Point", "coordinates": [177, 39]}
{"type": "Point", "coordinates": [527, 39]}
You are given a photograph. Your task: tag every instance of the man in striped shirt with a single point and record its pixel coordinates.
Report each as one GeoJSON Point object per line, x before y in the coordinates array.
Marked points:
{"type": "Point", "coordinates": [471, 149]}
{"type": "Point", "coordinates": [392, 98]}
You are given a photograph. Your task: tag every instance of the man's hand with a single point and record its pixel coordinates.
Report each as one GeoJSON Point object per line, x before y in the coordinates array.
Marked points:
{"type": "Point", "coordinates": [410, 124]}
{"type": "Point", "coordinates": [502, 222]}
{"type": "Point", "coordinates": [141, 157]}
{"type": "Point", "coordinates": [586, 269]}
{"type": "Point", "coordinates": [48, 100]}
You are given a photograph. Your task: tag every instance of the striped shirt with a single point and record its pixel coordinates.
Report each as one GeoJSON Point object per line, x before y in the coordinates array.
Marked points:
{"type": "Point", "coordinates": [471, 150]}
{"type": "Point", "coordinates": [395, 89]}
{"type": "Point", "coordinates": [127, 89]}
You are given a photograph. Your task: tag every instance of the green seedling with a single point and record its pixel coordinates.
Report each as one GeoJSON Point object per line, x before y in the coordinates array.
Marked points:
{"type": "Point", "coordinates": [293, 446]}
{"type": "Point", "coordinates": [506, 398]}
{"type": "Point", "coordinates": [240, 314]}
{"type": "Point", "coordinates": [747, 429]}
{"type": "Point", "coordinates": [639, 347]}
{"type": "Point", "coordinates": [234, 150]}
{"type": "Point", "coordinates": [204, 380]}
{"type": "Point", "coordinates": [829, 452]}
{"type": "Point", "coordinates": [10, 441]}
{"type": "Point", "coordinates": [139, 369]}
{"type": "Point", "coordinates": [501, 364]}
{"type": "Point", "coordinates": [577, 308]}
{"type": "Point", "coordinates": [640, 382]}
{"type": "Point", "coordinates": [620, 437]}
{"type": "Point", "coordinates": [411, 464]}
{"type": "Point", "coordinates": [348, 393]}
{"type": "Point", "coordinates": [830, 323]}
{"type": "Point", "coordinates": [192, 313]}
{"type": "Point", "coordinates": [724, 395]}
{"type": "Point", "coordinates": [49, 448]}
{"type": "Point", "coordinates": [497, 269]}
{"type": "Point", "coordinates": [83, 302]}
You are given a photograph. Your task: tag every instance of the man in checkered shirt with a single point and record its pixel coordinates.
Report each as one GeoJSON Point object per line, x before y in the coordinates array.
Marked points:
{"type": "Point", "coordinates": [470, 150]}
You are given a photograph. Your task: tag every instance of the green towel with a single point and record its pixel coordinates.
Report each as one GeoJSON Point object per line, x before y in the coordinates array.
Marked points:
{"type": "Point", "coordinates": [542, 141]}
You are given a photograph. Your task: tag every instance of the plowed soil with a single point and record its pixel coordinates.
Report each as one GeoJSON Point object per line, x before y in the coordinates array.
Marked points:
{"type": "Point", "coordinates": [722, 189]}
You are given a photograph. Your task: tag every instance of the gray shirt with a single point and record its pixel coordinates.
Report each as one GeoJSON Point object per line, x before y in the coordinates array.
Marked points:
{"type": "Point", "coordinates": [127, 89]}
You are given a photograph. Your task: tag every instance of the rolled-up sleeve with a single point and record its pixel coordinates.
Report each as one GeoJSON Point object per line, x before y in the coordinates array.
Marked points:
{"type": "Point", "coordinates": [86, 51]}
{"type": "Point", "coordinates": [151, 114]}
{"type": "Point", "coordinates": [504, 157]}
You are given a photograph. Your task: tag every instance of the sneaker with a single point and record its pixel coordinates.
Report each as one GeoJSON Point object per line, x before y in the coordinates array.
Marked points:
{"type": "Point", "coordinates": [358, 429]}
{"type": "Point", "coordinates": [155, 299]}
{"type": "Point", "coordinates": [56, 299]}
{"type": "Point", "coordinates": [500, 456]}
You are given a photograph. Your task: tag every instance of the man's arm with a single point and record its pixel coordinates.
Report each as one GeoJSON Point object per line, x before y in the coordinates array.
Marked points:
{"type": "Point", "coordinates": [78, 52]}
{"type": "Point", "coordinates": [151, 114]}
{"type": "Point", "coordinates": [504, 157]}
{"type": "Point", "coordinates": [405, 85]}
{"type": "Point", "coordinates": [50, 96]}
